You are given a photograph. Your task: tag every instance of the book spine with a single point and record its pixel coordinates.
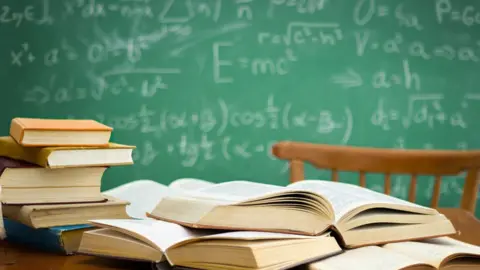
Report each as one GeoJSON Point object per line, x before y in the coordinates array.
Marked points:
{"type": "Point", "coordinates": [42, 239]}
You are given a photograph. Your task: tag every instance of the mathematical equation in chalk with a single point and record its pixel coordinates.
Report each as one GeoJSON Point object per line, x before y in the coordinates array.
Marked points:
{"type": "Point", "coordinates": [38, 13]}
{"type": "Point", "coordinates": [407, 78]}
{"type": "Point", "coordinates": [298, 33]}
{"type": "Point", "coordinates": [447, 11]}
{"type": "Point", "coordinates": [224, 117]}
{"type": "Point", "coordinates": [192, 151]}
{"type": "Point", "coordinates": [146, 82]}
{"type": "Point", "coordinates": [169, 11]}
{"type": "Point", "coordinates": [366, 43]}
{"type": "Point", "coordinates": [424, 109]}
{"type": "Point", "coordinates": [365, 11]}
{"type": "Point", "coordinates": [256, 66]}
{"type": "Point", "coordinates": [300, 6]}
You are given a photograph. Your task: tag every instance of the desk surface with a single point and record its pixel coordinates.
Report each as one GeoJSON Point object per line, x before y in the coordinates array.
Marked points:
{"type": "Point", "coordinates": [15, 257]}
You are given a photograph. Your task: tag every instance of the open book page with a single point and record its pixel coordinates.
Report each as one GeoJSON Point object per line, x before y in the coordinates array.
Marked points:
{"type": "Point", "coordinates": [159, 234]}
{"type": "Point", "coordinates": [365, 258]}
{"type": "Point", "coordinates": [189, 184]}
{"type": "Point", "coordinates": [236, 191]}
{"type": "Point", "coordinates": [434, 250]}
{"type": "Point", "coordinates": [249, 236]}
{"type": "Point", "coordinates": [143, 196]}
{"type": "Point", "coordinates": [346, 197]}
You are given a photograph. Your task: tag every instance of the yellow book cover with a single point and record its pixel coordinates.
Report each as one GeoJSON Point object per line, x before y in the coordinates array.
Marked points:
{"type": "Point", "coordinates": [80, 156]}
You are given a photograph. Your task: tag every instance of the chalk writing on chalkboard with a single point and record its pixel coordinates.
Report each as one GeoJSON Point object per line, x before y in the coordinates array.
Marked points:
{"type": "Point", "coordinates": [205, 87]}
{"type": "Point", "coordinates": [37, 13]}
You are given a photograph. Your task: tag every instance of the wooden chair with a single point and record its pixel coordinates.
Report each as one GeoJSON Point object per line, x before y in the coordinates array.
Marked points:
{"type": "Point", "coordinates": [364, 160]}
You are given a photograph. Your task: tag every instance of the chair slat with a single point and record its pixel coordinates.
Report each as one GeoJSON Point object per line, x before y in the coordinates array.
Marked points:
{"type": "Point", "coordinates": [436, 191]}
{"type": "Point", "coordinates": [297, 171]}
{"type": "Point", "coordinates": [335, 175]}
{"type": "Point", "coordinates": [363, 180]}
{"type": "Point", "coordinates": [412, 193]}
{"type": "Point", "coordinates": [388, 183]}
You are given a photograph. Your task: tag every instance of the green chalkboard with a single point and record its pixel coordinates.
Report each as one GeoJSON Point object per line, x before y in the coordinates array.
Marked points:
{"type": "Point", "coordinates": [203, 88]}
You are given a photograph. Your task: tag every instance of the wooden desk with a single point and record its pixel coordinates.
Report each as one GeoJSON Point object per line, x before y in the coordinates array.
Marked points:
{"type": "Point", "coordinates": [19, 258]}
{"type": "Point", "coordinates": [13, 257]}
{"type": "Point", "coordinates": [467, 225]}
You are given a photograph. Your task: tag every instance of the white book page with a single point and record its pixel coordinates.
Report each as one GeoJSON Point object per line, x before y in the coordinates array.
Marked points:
{"type": "Point", "coordinates": [433, 251]}
{"type": "Point", "coordinates": [185, 184]}
{"type": "Point", "coordinates": [158, 233]}
{"type": "Point", "coordinates": [143, 196]}
{"type": "Point", "coordinates": [346, 197]}
{"type": "Point", "coordinates": [254, 235]}
{"type": "Point", "coordinates": [237, 191]}
{"type": "Point", "coordinates": [365, 258]}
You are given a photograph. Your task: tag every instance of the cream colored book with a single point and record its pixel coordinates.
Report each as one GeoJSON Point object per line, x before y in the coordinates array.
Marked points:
{"type": "Point", "coordinates": [157, 241]}
{"type": "Point", "coordinates": [152, 192]}
{"type": "Point", "coordinates": [435, 253]}
{"type": "Point", "coordinates": [360, 216]}
{"type": "Point", "coordinates": [26, 183]}
{"type": "Point", "coordinates": [52, 215]}
{"type": "Point", "coordinates": [67, 157]}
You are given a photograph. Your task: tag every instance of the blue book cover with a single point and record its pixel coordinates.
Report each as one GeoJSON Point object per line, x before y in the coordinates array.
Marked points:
{"type": "Point", "coordinates": [61, 239]}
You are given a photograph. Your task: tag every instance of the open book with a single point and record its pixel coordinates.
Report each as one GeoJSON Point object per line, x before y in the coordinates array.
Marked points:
{"type": "Point", "coordinates": [358, 215]}
{"type": "Point", "coordinates": [435, 253]}
{"type": "Point", "coordinates": [156, 241]}
{"type": "Point", "coordinates": [152, 192]}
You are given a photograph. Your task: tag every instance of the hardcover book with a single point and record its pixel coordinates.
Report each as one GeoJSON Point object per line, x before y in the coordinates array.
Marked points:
{"type": "Point", "coordinates": [68, 156]}
{"type": "Point", "coordinates": [26, 183]}
{"type": "Point", "coordinates": [59, 132]}
{"type": "Point", "coordinates": [359, 216]}
{"type": "Point", "coordinates": [61, 239]}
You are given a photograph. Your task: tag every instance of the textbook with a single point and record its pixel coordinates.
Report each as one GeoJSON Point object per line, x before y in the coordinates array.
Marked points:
{"type": "Point", "coordinates": [26, 183]}
{"type": "Point", "coordinates": [157, 241]}
{"type": "Point", "coordinates": [359, 216]}
{"type": "Point", "coordinates": [61, 239]}
{"type": "Point", "coordinates": [61, 157]}
{"type": "Point", "coordinates": [59, 132]}
{"type": "Point", "coordinates": [435, 253]}
{"type": "Point", "coordinates": [152, 192]}
{"type": "Point", "coordinates": [51, 215]}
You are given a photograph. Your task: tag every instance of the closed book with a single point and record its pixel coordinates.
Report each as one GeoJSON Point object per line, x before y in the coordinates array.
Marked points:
{"type": "Point", "coordinates": [112, 154]}
{"type": "Point", "coordinates": [26, 183]}
{"type": "Point", "coordinates": [59, 132]}
{"type": "Point", "coordinates": [61, 239]}
{"type": "Point", "coordinates": [51, 215]}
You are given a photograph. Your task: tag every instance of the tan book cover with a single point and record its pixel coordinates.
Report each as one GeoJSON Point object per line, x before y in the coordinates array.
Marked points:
{"type": "Point", "coordinates": [56, 132]}
{"type": "Point", "coordinates": [45, 156]}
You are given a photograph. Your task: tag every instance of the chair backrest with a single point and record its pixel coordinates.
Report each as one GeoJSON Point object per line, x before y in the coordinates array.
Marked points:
{"type": "Point", "coordinates": [364, 160]}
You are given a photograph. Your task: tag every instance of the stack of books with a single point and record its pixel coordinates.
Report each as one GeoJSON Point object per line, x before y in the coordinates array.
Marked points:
{"type": "Point", "coordinates": [318, 225]}
{"type": "Point", "coordinates": [50, 176]}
